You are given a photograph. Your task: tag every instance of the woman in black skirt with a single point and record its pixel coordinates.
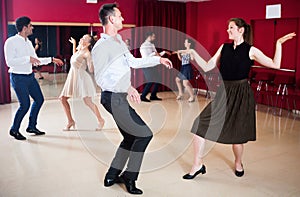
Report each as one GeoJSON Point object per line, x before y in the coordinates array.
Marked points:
{"type": "Point", "coordinates": [230, 117]}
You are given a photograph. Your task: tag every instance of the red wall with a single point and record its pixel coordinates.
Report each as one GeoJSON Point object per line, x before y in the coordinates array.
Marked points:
{"type": "Point", "coordinates": [207, 21]}
{"type": "Point", "coordinates": [66, 10]}
{"type": "Point", "coordinates": [210, 17]}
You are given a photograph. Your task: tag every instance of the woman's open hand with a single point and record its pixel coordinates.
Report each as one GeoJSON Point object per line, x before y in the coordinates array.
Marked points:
{"type": "Point", "coordinates": [286, 37]}
{"type": "Point", "coordinates": [72, 40]}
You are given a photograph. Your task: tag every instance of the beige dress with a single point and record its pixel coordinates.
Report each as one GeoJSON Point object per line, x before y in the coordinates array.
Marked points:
{"type": "Point", "coordinates": [79, 83]}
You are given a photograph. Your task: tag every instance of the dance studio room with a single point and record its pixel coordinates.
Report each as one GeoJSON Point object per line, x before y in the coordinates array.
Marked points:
{"type": "Point", "coordinates": [165, 98]}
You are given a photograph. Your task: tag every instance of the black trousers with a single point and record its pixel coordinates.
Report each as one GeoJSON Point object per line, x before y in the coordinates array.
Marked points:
{"type": "Point", "coordinates": [136, 135]}
{"type": "Point", "coordinates": [153, 78]}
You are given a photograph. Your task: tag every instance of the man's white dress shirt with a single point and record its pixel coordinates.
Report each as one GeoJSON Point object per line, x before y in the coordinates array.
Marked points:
{"type": "Point", "coordinates": [112, 61]}
{"type": "Point", "coordinates": [17, 52]}
{"type": "Point", "coordinates": [148, 49]}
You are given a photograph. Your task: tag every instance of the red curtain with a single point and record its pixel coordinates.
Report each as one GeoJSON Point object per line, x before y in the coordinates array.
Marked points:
{"type": "Point", "coordinates": [5, 96]}
{"type": "Point", "coordinates": [167, 21]}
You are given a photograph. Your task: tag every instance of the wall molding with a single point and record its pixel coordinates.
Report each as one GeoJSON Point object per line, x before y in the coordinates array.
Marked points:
{"type": "Point", "coordinates": [70, 24]}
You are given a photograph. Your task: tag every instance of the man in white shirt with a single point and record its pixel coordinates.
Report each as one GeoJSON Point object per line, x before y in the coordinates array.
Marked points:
{"type": "Point", "coordinates": [112, 61]}
{"type": "Point", "coordinates": [20, 56]}
{"type": "Point", "coordinates": [151, 74]}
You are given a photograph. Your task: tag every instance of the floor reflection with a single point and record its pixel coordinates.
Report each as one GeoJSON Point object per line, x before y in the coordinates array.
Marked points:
{"type": "Point", "coordinates": [74, 163]}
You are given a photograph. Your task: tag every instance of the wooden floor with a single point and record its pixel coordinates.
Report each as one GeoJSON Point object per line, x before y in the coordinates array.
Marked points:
{"type": "Point", "coordinates": [74, 163]}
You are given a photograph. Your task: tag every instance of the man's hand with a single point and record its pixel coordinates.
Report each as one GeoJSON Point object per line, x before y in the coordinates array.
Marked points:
{"type": "Point", "coordinates": [34, 61]}
{"type": "Point", "coordinates": [166, 62]}
{"type": "Point", "coordinates": [57, 61]}
{"type": "Point", "coordinates": [133, 94]}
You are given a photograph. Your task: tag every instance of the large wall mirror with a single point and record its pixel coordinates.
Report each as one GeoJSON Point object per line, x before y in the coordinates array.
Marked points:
{"type": "Point", "coordinates": [54, 39]}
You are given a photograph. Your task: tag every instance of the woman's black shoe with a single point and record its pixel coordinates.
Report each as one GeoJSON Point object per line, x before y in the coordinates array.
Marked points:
{"type": "Point", "coordinates": [240, 173]}
{"type": "Point", "coordinates": [202, 170]}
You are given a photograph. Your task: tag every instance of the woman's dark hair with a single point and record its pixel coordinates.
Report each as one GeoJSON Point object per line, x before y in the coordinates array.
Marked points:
{"type": "Point", "coordinates": [247, 29]}
{"type": "Point", "coordinates": [105, 11]}
{"type": "Point", "coordinates": [21, 22]}
{"type": "Point", "coordinates": [40, 43]}
{"type": "Point", "coordinates": [38, 39]}
{"type": "Point", "coordinates": [92, 42]}
{"type": "Point", "coordinates": [192, 42]}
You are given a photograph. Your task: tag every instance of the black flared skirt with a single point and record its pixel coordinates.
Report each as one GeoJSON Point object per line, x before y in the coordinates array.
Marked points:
{"type": "Point", "coordinates": [230, 117]}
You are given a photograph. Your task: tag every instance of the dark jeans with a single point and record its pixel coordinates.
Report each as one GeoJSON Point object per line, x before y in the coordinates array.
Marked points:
{"type": "Point", "coordinates": [25, 86]}
{"type": "Point", "coordinates": [136, 135]}
{"type": "Point", "coordinates": [152, 77]}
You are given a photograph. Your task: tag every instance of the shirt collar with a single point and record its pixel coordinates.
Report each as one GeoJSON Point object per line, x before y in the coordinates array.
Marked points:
{"type": "Point", "coordinates": [106, 36]}
{"type": "Point", "coordinates": [148, 42]}
{"type": "Point", "coordinates": [21, 37]}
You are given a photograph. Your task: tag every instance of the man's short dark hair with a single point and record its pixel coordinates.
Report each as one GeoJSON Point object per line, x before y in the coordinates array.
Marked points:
{"type": "Point", "coordinates": [150, 33]}
{"type": "Point", "coordinates": [105, 11]}
{"type": "Point", "coordinates": [21, 22]}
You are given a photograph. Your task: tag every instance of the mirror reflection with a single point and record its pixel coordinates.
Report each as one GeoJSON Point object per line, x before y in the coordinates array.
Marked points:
{"type": "Point", "coordinates": [52, 41]}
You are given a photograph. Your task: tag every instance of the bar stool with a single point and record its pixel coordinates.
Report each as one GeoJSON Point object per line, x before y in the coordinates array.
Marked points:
{"type": "Point", "coordinates": [251, 77]}
{"type": "Point", "coordinates": [264, 82]}
{"type": "Point", "coordinates": [211, 81]}
{"type": "Point", "coordinates": [201, 78]}
{"type": "Point", "coordinates": [284, 84]}
{"type": "Point", "coordinates": [295, 96]}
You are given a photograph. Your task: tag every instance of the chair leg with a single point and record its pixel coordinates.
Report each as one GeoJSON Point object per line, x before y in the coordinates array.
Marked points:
{"type": "Point", "coordinates": [286, 93]}
{"type": "Point", "coordinates": [258, 88]}
{"type": "Point", "coordinates": [284, 96]}
{"type": "Point", "coordinates": [295, 110]}
{"type": "Point", "coordinates": [268, 96]}
{"type": "Point", "coordinates": [276, 101]}
{"type": "Point", "coordinates": [280, 110]}
{"type": "Point", "coordinates": [208, 96]}
{"type": "Point", "coordinates": [196, 91]}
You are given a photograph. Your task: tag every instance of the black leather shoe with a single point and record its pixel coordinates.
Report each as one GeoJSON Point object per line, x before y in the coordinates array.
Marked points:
{"type": "Point", "coordinates": [145, 99]}
{"type": "Point", "coordinates": [239, 173]}
{"type": "Point", "coordinates": [17, 135]}
{"type": "Point", "coordinates": [110, 181]}
{"type": "Point", "coordinates": [202, 170]}
{"type": "Point", "coordinates": [35, 131]}
{"type": "Point", "coordinates": [130, 186]}
{"type": "Point", "coordinates": [155, 98]}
